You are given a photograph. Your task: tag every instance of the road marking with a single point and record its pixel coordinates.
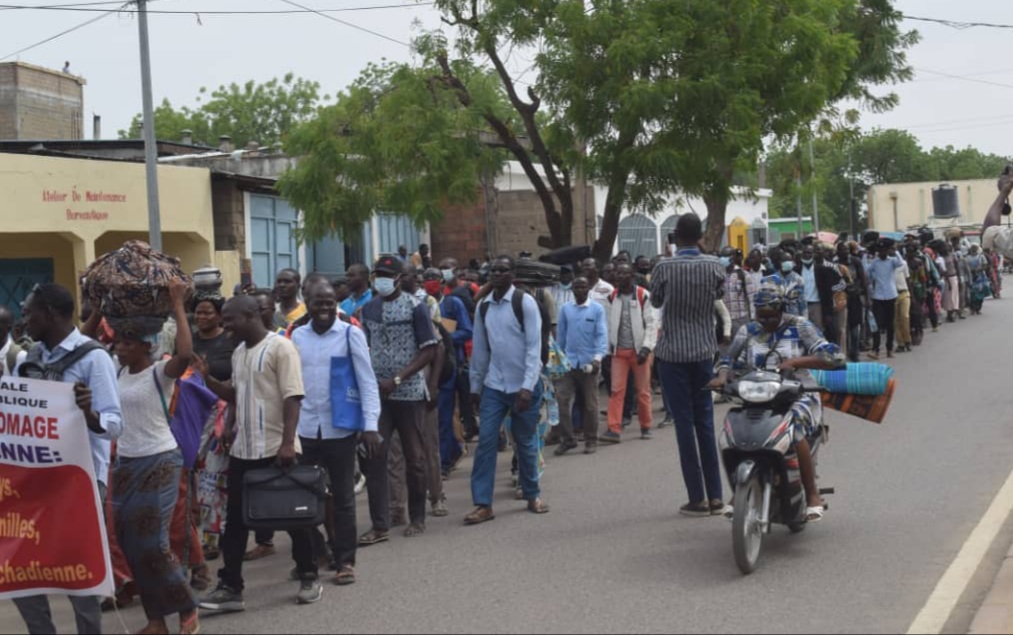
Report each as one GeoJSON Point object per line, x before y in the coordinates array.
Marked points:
{"type": "Point", "coordinates": [937, 610]}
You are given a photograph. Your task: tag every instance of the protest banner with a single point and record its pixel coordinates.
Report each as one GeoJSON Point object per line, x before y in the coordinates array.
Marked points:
{"type": "Point", "coordinates": [52, 534]}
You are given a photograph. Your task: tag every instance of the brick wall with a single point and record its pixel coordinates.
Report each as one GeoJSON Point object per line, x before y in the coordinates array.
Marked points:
{"type": "Point", "coordinates": [462, 233]}
{"type": "Point", "coordinates": [37, 103]}
{"type": "Point", "coordinates": [230, 227]}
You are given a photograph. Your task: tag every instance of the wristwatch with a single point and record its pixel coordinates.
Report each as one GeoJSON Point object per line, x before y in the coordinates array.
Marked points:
{"type": "Point", "coordinates": [397, 381]}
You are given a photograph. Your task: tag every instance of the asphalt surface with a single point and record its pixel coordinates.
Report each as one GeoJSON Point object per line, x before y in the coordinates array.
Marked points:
{"type": "Point", "coordinates": [614, 556]}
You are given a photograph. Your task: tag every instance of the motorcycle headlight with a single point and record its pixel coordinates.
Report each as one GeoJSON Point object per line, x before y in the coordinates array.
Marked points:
{"type": "Point", "coordinates": [758, 392]}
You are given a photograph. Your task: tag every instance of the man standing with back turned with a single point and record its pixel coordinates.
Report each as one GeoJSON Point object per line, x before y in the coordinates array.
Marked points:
{"type": "Point", "coordinates": [686, 287]}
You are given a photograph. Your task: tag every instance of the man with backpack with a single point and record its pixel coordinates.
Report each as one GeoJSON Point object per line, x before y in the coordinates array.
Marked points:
{"type": "Point", "coordinates": [633, 334]}
{"type": "Point", "coordinates": [63, 354]}
{"type": "Point", "coordinates": [506, 380]}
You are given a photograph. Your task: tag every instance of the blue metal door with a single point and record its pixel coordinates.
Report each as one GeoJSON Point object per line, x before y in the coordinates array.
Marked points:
{"type": "Point", "coordinates": [273, 225]}
{"type": "Point", "coordinates": [18, 276]}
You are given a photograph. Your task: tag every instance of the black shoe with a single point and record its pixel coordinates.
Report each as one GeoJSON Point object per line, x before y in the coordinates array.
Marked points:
{"type": "Point", "coordinates": [223, 599]}
{"type": "Point", "coordinates": [646, 435]}
{"type": "Point", "coordinates": [610, 437]}
{"type": "Point", "coordinates": [564, 448]}
{"type": "Point", "coordinates": [717, 507]}
{"type": "Point", "coordinates": [696, 510]}
{"type": "Point", "coordinates": [627, 422]}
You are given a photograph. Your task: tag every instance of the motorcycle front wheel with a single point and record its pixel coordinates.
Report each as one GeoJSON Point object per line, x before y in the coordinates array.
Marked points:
{"type": "Point", "coordinates": [747, 532]}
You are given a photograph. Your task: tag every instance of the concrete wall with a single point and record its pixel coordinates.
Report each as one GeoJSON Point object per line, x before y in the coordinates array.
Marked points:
{"type": "Point", "coordinates": [39, 103]}
{"type": "Point", "coordinates": [914, 203]}
{"type": "Point", "coordinates": [53, 246]}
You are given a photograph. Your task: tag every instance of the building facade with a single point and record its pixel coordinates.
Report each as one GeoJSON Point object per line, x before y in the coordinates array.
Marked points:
{"type": "Point", "coordinates": [40, 103]}
{"type": "Point", "coordinates": [901, 206]}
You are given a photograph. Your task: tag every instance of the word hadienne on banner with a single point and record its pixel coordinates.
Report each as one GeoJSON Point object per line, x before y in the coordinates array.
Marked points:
{"type": "Point", "coordinates": [52, 533]}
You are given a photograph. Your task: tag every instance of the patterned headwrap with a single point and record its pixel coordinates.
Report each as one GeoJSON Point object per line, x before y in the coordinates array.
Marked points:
{"type": "Point", "coordinates": [769, 296]}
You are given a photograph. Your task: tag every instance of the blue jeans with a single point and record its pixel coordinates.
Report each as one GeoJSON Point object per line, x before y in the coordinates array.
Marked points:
{"type": "Point", "coordinates": [692, 408]}
{"type": "Point", "coordinates": [496, 405]}
{"type": "Point", "coordinates": [450, 448]}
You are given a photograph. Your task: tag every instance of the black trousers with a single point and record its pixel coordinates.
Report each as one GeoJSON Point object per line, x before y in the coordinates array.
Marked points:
{"type": "Point", "coordinates": [407, 418]}
{"type": "Point", "coordinates": [885, 312]}
{"type": "Point", "coordinates": [337, 456]}
{"type": "Point", "coordinates": [468, 422]}
{"type": "Point", "coordinates": [233, 543]}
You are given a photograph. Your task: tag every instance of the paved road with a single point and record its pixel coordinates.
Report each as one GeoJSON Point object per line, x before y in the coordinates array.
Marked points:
{"type": "Point", "coordinates": [613, 556]}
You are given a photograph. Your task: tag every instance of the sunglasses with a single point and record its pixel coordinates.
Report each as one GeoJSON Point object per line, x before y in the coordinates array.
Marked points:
{"type": "Point", "coordinates": [501, 270]}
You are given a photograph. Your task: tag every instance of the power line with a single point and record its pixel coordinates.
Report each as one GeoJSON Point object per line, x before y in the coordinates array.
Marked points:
{"type": "Point", "coordinates": [61, 34]}
{"type": "Point", "coordinates": [105, 3]}
{"type": "Point", "coordinates": [956, 24]}
{"type": "Point", "coordinates": [964, 78]}
{"type": "Point", "coordinates": [346, 23]}
{"type": "Point", "coordinates": [90, 8]}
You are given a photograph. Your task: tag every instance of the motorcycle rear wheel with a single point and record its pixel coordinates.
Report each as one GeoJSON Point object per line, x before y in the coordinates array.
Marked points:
{"type": "Point", "coordinates": [747, 533]}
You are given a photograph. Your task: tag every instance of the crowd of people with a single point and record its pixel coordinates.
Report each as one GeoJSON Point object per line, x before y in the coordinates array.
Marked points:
{"type": "Point", "coordinates": [443, 355]}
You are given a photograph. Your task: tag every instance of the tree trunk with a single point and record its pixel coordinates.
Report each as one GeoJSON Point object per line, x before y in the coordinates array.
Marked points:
{"type": "Point", "coordinates": [609, 229]}
{"type": "Point", "coordinates": [716, 207]}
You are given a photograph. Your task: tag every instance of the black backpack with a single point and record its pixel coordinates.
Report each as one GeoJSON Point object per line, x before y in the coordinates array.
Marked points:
{"type": "Point", "coordinates": [33, 368]}
{"type": "Point", "coordinates": [517, 303]}
{"type": "Point", "coordinates": [449, 354]}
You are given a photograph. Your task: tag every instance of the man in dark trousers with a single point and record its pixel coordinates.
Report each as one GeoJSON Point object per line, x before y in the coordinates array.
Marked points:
{"type": "Point", "coordinates": [686, 288]}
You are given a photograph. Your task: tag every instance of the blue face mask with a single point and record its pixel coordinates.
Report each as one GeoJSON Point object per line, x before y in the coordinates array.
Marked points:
{"type": "Point", "coordinates": [725, 261]}
{"type": "Point", "coordinates": [787, 266]}
{"type": "Point", "coordinates": [566, 285]}
{"type": "Point", "coordinates": [448, 275]}
{"type": "Point", "coordinates": [384, 286]}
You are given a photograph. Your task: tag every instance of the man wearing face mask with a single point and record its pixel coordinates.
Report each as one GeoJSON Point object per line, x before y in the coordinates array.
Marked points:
{"type": "Point", "coordinates": [811, 292]}
{"type": "Point", "coordinates": [790, 282]}
{"type": "Point", "coordinates": [739, 289]}
{"type": "Point", "coordinates": [461, 289]}
{"type": "Point", "coordinates": [402, 343]}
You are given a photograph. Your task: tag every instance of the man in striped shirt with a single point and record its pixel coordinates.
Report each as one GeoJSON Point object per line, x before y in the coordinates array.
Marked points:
{"type": "Point", "coordinates": [686, 287]}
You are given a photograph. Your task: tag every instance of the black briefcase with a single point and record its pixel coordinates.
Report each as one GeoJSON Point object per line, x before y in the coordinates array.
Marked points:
{"type": "Point", "coordinates": [284, 498]}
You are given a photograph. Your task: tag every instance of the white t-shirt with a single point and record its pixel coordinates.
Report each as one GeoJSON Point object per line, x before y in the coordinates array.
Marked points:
{"type": "Point", "coordinates": [145, 427]}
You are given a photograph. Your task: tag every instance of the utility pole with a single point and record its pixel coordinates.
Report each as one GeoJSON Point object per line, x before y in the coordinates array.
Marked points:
{"type": "Point", "coordinates": [812, 179]}
{"type": "Point", "coordinates": [150, 149]}
{"type": "Point", "coordinates": [852, 216]}
{"type": "Point", "coordinates": [798, 201]}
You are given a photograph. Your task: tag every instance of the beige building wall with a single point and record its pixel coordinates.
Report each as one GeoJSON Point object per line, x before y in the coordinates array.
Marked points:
{"type": "Point", "coordinates": [899, 206]}
{"type": "Point", "coordinates": [40, 103]}
{"type": "Point", "coordinates": [71, 210]}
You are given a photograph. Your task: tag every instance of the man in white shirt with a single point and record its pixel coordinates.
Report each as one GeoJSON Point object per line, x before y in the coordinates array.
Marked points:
{"type": "Point", "coordinates": [11, 355]}
{"type": "Point", "coordinates": [601, 291]}
{"type": "Point", "coordinates": [812, 293]}
{"type": "Point", "coordinates": [324, 340]}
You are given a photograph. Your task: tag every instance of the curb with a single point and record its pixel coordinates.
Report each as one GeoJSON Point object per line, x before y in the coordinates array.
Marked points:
{"type": "Point", "coordinates": [996, 613]}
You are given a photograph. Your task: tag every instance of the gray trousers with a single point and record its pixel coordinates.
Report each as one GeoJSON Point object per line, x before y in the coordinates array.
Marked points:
{"type": "Point", "coordinates": [577, 384]}
{"type": "Point", "coordinates": [87, 610]}
{"type": "Point", "coordinates": [396, 466]}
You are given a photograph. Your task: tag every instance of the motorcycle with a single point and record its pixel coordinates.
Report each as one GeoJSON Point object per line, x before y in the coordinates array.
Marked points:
{"type": "Point", "coordinates": [761, 464]}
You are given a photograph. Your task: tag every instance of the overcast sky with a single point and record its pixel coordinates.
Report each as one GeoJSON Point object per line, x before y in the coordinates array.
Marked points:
{"type": "Point", "coordinates": [188, 53]}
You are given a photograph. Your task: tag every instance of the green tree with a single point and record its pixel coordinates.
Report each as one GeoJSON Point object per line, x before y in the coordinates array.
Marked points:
{"type": "Point", "coordinates": [648, 97]}
{"type": "Point", "coordinates": [262, 112]}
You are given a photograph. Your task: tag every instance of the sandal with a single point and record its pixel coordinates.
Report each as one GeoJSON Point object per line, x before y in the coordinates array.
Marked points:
{"type": "Point", "coordinates": [345, 577]}
{"type": "Point", "coordinates": [373, 537]}
{"type": "Point", "coordinates": [814, 514]}
{"type": "Point", "coordinates": [538, 506]}
{"type": "Point", "coordinates": [479, 516]}
{"type": "Point", "coordinates": [190, 625]}
{"type": "Point", "coordinates": [415, 530]}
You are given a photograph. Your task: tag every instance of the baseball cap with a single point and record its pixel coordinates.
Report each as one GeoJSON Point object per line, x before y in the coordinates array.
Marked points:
{"type": "Point", "coordinates": [388, 266]}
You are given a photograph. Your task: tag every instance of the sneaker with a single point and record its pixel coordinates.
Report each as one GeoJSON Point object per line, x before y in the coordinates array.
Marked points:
{"type": "Point", "coordinates": [360, 484]}
{"type": "Point", "coordinates": [223, 599]}
{"type": "Point", "coordinates": [310, 592]}
{"type": "Point", "coordinates": [717, 507]}
{"type": "Point", "coordinates": [696, 510]}
{"type": "Point", "coordinates": [646, 435]}
{"type": "Point", "coordinates": [610, 437]}
{"type": "Point", "coordinates": [563, 448]}
{"type": "Point", "coordinates": [627, 422]}
{"type": "Point", "coordinates": [667, 422]}
{"type": "Point", "coordinates": [440, 508]}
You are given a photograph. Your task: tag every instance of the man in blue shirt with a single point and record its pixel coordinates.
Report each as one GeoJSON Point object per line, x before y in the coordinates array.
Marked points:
{"type": "Point", "coordinates": [583, 336]}
{"type": "Point", "coordinates": [884, 293]}
{"type": "Point", "coordinates": [325, 339]}
{"type": "Point", "coordinates": [49, 317]}
{"type": "Point", "coordinates": [506, 379]}
{"type": "Point", "coordinates": [361, 294]}
{"type": "Point", "coordinates": [451, 308]}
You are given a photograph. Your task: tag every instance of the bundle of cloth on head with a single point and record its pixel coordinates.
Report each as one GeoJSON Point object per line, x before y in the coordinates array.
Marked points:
{"type": "Point", "coordinates": [131, 282]}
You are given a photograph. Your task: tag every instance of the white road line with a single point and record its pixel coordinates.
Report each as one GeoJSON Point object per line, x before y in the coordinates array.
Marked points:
{"type": "Point", "coordinates": [937, 610]}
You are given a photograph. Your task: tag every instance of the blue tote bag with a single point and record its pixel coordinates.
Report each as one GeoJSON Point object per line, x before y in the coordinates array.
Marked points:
{"type": "Point", "coordinates": [346, 403]}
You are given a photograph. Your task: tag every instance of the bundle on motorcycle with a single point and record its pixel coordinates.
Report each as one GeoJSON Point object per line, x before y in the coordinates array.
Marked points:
{"type": "Point", "coordinates": [861, 390]}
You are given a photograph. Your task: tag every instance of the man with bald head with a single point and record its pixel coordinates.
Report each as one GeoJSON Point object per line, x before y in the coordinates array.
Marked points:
{"type": "Point", "coordinates": [11, 355]}
{"type": "Point", "coordinates": [261, 432]}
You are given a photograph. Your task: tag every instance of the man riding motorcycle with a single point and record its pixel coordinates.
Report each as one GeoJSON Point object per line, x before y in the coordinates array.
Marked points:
{"type": "Point", "coordinates": [778, 341]}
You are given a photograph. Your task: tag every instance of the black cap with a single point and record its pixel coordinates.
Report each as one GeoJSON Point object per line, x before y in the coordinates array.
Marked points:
{"type": "Point", "coordinates": [388, 265]}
